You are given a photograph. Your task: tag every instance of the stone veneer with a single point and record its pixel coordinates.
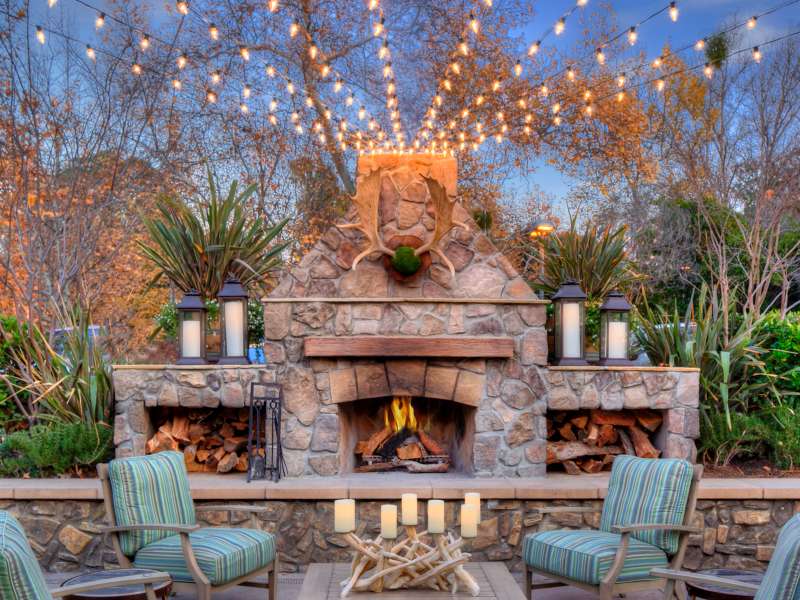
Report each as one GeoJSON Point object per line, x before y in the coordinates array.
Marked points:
{"type": "Point", "coordinates": [738, 534]}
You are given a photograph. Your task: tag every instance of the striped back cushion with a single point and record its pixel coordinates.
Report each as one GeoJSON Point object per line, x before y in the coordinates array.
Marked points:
{"type": "Point", "coordinates": [20, 575]}
{"type": "Point", "coordinates": [147, 490]}
{"type": "Point", "coordinates": [643, 490]}
{"type": "Point", "coordinates": [782, 579]}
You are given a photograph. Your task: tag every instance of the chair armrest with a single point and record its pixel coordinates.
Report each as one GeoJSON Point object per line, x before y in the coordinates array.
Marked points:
{"type": "Point", "coordinates": [151, 527]}
{"type": "Point", "coordinates": [654, 527]}
{"type": "Point", "coordinates": [78, 588]}
{"type": "Point", "coordinates": [700, 579]}
{"type": "Point", "coordinates": [231, 508]}
{"type": "Point", "coordinates": [565, 509]}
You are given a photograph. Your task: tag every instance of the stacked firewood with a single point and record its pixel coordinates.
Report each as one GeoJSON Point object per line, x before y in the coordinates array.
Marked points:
{"type": "Point", "coordinates": [387, 449]}
{"type": "Point", "coordinates": [211, 440]}
{"type": "Point", "coordinates": [587, 441]}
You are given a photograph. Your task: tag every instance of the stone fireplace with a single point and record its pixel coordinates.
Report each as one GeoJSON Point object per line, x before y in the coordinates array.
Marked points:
{"type": "Point", "coordinates": [467, 347]}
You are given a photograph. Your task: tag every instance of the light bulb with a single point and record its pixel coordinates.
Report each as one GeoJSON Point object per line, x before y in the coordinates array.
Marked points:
{"type": "Point", "coordinates": [570, 73]}
{"type": "Point", "coordinates": [183, 7]}
{"type": "Point", "coordinates": [673, 11]}
{"type": "Point", "coordinates": [273, 105]}
{"type": "Point", "coordinates": [390, 87]}
{"type": "Point", "coordinates": [40, 34]}
{"type": "Point", "coordinates": [337, 86]}
{"type": "Point", "coordinates": [270, 70]}
{"type": "Point", "coordinates": [620, 96]}
{"type": "Point", "coordinates": [582, 3]}
{"type": "Point", "coordinates": [327, 114]}
{"type": "Point", "coordinates": [322, 138]}
{"type": "Point", "coordinates": [325, 70]}
{"type": "Point", "coordinates": [534, 48]}
{"type": "Point", "coordinates": [589, 110]}
{"type": "Point", "coordinates": [100, 20]}
{"type": "Point", "coordinates": [621, 79]}
{"type": "Point", "coordinates": [498, 138]}
{"type": "Point", "coordinates": [216, 77]}
{"type": "Point", "coordinates": [474, 25]}
{"type": "Point", "coordinates": [373, 4]}
{"type": "Point", "coordinates": [377, 29]}
{"type": "Point", "coordinates": [384, 51]}
{"type": "Point", "coordinates": [752, 22]}
{"type": "Point", "coordinates": [557, 120]}
{"type": "Point", "coordinates": [587, 95]}
{"type": "Point", "coordinates": [464, 113]}
{"type": "Point", "coordinates": [144, 42]}
{"type": "Point", "coordinates": [273, 120]}
{"type": "Point", "coordinates": [479, 100]}
{"type": "Point", "coordinates": [528, 118]}
{"type": "Point", "coordinates": [478, 126]}
{"type": "Point", "coordinates": [349, 100]}
{"type": "Point", "coordinates": [495, 85]}
{"type": "Point", "coordinates": [660, 85]}
{"type": "Point", "coordinates": [757, 54]}
{"type": "Point", "coordinates": [316, 126]}
{"type": "Point", "coordinates": [90, 52]}
{"type": "Point", "coordinates": [182, 60]}
{"type": "Point", "coordinates": [213, 32]}
{"type": "Point", "coordinates": [298, 129]}
{"type": "Point", "coordinates": [518, 69]}
{"type": "Point", "coordinates": [245, 53]}
{"type": "Point", "coordinates": [521, 103]}
{"type": "Point", "coordinates": [632, 36]}
{"type": "Point", "coordinates": [273, 5]}
{"type": "Point", "coordinates": [558, 28]}
{"type": "Point", "coordinates": [543, 90]}
{"type": "Point", "coordinates": [447, 85]}
{"type": "Point", "coordinates": [51, 3]}
{"type": "Point", "coordinates": [211, 96]}
{"type": "Point", "coordinates": [246, 91]}
{"type": "Point", "coordinates": [372, 124]}
{"type": "Point", "coordinates": [527, 130]}
{"type": "Point", "coordinates": [463, 47]}
{"type": "Point", "coordinates": [295, 116]}
{"type": "Point", "coordinates": [176, 84]}
{"type": "Point", "coordinates": [556, 108]}
{"type": "Point", "coordinates": [313, 51]}
{"type": "Point", "coordinates": [362, 113]}
{"type": "Point", "coordinates": [700, 45]}
{"type": "Point", "coordinates": [708, 70]}
{"type": "Point", "coordinates": [294, 28]}
{"type": "Point", "coordinates": [387, 70]}
{"type": "Point", "coordinates": [243, 108]}
{"type": "Point", "coordinates": [290, 87]}
{"type": "Point", "coordinates": [437, 99]}
{"type": "Point", "coordinates": [600, 56]}
{"type": "Point", "coordinates": [456, 68]}
{"type": "Point", "coordinates": [500, 116]}
{"type": "Point", "coordinates": [657, 63]}
{"type": "Point", "coordinates": [136, 68]}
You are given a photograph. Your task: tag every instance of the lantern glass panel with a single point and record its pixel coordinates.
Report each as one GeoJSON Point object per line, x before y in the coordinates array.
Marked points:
{"type": "Point", "coordinates": [234, 320]}
{"type": "Point", "coordinates": [615, 338]}
{"type": "Point", "coordinates": [191, 334]}
{"type": "Point", "coordinates": [572, 328]}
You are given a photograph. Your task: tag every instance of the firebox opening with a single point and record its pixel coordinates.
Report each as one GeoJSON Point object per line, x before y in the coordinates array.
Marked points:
{"type": "Point", "coordinates": [419, 435]}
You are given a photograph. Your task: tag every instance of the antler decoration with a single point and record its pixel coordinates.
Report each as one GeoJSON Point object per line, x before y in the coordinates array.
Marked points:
{"type": "Point", "coordinates": [443, 210]}
{"type": "Point", "coordinates": [366, 200]}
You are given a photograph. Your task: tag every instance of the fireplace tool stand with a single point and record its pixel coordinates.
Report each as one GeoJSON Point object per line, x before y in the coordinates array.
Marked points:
{"type": "Point", "coordinates": [264, 450]}
{"type": "Point", "coordinates": [381, 564]}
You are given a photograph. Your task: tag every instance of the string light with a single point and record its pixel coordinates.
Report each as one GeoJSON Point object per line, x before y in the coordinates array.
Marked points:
{"type": "Point", "coordinates": [51, 3]}
{"type": "Point", "coordinates": [182, 60]}
{"type": "Point", "coordinates": [570, 73]}
{"type": "Point", "coordinates": [176, 84]}
{"type": "Point", "coordinates": [543, 90]}
{"type": "Point", "coordinates": [90, 52]}
{"type": "Point", "coordinates": [373, 4]}
{"type": "Point", "coordinates": [534, 48]}
{"type": "Point", "coordinates": [384, 51]}
{"type": "Point", "coordinates": [183, 7]}
{"type": "Point", "coordinates": [708, 70]}
{"type": "Point", "coordinates": [673, 11]}
{"type": "Point", "coordinates": [270, 70]}
{"type": "Point", "coordinates": [558, 28]}
{"type": "Point", "coordinates": [136, 68]}
{"type": "Point", "coordinates": [213, 32]}
{"type": "Point", "coordinates": [144, 42]}
{"type": "Point", "coordinates": [756, 54]}
{"type": "Point", "coordinates": [474, 25]}
{"type": "Point", "coordinates": [290, 88]}
{"type": "Point", "coordinates": [273, 105]}
{"type": "Point", "coordinates": [518, 68]}
{"type": "Point", "coordinates": [245, 53]}
{"type": "Point", "coordinates": [660, 84]}
{"type": "Point", "coordinates": [40, 34]}
{"type": "Point", "coordinates": [246, 91]}
{"type": "Point", "coordinates": [100, 20]}
{"type": "Point", "coordinates": [377, 29]}
{"type": "Point", "coordinates": [620, 96]}
{"type": "Point", "coordinates": [216, 77]}
{"type": "Point", "coordinates": [699, 45]}
{"type": "Point", "coordinates": [243, 108]}
{"type": "Point", "coordinates": [273, 5]}
{"type": "Point", "coordinates": [463, 47]}
{"type": "Point", "coordinates": [632, 36]}
{"type": "Point", "coordinates": [657, 62]}
{"type": "Point", "coordinates": [752, 22]}
{"type": "Point", "coordinates": [313, 51]}
{"type": "Point", "coordinates": [600, 56]}
{"type": "Point", "coordinates": [582, 3]}
{"type": "Point", "coordinates": [621, 79]}
{"type": "Point", "coordinates": [294, 28]}
{"type": "Point", "coordinates": [325, 70]}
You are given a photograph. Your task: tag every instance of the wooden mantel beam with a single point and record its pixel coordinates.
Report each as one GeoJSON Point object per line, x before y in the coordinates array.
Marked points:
{"type": "Point", "coordinates": [410, 346]}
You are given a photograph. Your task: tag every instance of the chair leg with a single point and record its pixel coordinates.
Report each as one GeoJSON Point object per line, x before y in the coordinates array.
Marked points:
{"type": "Point", "coordinates": [606, 591]}
{"type": "Point", "coordinates": [272, 592]}
{"type": "Point", "coordinates": [526, 576]}
{"type": "Point", "coordinates": [203, 592]}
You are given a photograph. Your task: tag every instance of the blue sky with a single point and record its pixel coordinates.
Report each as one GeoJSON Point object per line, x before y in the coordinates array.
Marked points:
{"type": "Point", "coordinates": [697, 18]}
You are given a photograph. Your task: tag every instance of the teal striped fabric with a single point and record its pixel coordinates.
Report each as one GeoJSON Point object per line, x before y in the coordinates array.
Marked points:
{"type": "Point", "coordinates": [147, 490]}
{"type": "Point", "coordinates": [643, 490]}
{"type": "Point", "coordinates": [223, 554]}
{"type": "Point", "coordinates": [20, 575]}
{"type": "Point", "coordinates": [782, 579]}
{"type": "Point", "coordinates": [586, 556]}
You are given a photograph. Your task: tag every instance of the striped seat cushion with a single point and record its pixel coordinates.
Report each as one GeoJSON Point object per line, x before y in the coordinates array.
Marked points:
{"type": "Point", "coordinates": [148, 490]}
{"type": "Point", "coordinates": [20, 575]}
{"type": "Point", "coordinates": [223, 554]}
{"type": "Point", "coordinates": [782, 579]}
{"type": "Point", "coordinates": [586, 556]}
{"type": "Point", "coordinates": [643, 490]}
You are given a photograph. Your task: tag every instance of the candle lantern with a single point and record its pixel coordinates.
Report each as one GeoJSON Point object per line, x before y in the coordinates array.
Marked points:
{"type": "Point", "coordinates": [191, 329]}
{"type": "Point", "coordinates": [614, 330]}
{"type": "Point", "coordinates": [233, 319]}
{"type": "Point", "coordinates": [570, 313]}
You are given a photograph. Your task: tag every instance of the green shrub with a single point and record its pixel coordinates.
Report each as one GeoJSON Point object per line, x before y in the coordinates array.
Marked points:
{"type": "Point", "coordinates": [54, 449]}
{"type": "Point", "coordinates": [405, 261]}
{"type": "Point", "coordinates": [721, 442]}
{"type": "Point", "coordinates": [11, 336]}
{"type": "Point", "coordinates": [782, 344]}
{"type": "Point", "coordinates": [779, 431]}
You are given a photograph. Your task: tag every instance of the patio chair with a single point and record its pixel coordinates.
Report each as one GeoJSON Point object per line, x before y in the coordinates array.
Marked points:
{"type": "Point", "coordinates": [153, 526]}
{"type": "Point", "coordinates": [21, 576]}
{"type": "Point", "coordinates": [781, 581]}
{"type": "Point", "coordinates": [645, 524]}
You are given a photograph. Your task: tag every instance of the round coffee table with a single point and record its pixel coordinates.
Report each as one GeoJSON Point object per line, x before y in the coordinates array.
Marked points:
{"type": "Point", "coordinates": [123, 592]}
{"type": "Point", "coordinates": [717, 592]}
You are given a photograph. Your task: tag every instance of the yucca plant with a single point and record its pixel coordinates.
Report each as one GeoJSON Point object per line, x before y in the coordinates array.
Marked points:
{"type": "Point", "coordinates": [197, 248]}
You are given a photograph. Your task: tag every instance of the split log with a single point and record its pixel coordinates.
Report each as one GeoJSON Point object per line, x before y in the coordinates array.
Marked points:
{"type": "Point", "coordinates": [591, 465]}
{"type": "Point", "coordinates": [409, 452]}
{"type": "Point", "coordinates": [431, 445]}
{"type": "Point", "coordinates": [625, 440]}
{"type": "Point", "coordinates": [234, 444]}
{"type": "Point", "coordinates": [376, 440]}
{"type": "Point", "coordinates": [228, 462]}
{"type": "Point", "coordinates": [580, 421]}
{"type": "Point", "coordinates": [613, 417]}
{"type": "Point", "coordinates": [593, 435]}
{"type": "Point", "coordinates": [413, 466]}
{"type": "Point", "coordinates": [561, 451]}
{"type": "Point", "coordinates": [571, 467]}
{"type": "Point", "coordinates": [649, 419]}
{"type": "Point", "coordinates": [566, 432]}
{"type": "Point", "coordinates": [607, 435]}
{"type": "Point", "coordinates": [642, 445]}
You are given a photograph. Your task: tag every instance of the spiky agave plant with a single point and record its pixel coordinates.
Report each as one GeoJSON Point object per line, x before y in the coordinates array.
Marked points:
{"type": "Point", "coordinates": [197, 248]}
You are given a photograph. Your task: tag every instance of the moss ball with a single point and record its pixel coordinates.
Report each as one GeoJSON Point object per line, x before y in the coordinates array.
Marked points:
{"type": "Point", "coordinates": [405, 261]}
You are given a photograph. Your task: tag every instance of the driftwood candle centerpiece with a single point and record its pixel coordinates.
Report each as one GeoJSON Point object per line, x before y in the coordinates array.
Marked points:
{"type": "Point", "coordinates": [430, 559]}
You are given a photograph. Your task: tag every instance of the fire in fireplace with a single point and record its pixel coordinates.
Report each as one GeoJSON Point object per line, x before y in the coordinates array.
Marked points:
{"type": "Point", "coordinates": [418, 435]}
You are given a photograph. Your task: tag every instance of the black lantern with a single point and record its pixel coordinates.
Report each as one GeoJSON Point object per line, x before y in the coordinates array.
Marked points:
{"type": "Point", "coordinates": [614, 330]}
{"type": "Point", "coordinates": [570, 314]}
{"type": "Point", "coordinates": [233, 319]}
{"type": "Point", "coordinates": [191, 329]}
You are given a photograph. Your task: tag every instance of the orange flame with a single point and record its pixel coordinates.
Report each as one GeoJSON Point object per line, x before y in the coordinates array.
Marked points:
{"type": "Point", "coordinates": [400, 414]}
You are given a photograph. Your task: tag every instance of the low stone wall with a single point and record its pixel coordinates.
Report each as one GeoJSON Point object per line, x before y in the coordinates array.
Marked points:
{"type": "Point", "coordinates": [737, 533]}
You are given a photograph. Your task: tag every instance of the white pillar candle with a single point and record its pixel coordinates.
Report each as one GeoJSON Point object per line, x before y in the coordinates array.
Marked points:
{"type": "Point", "coordinates": [469, 521]}
{"type": "Point", "coordinates": [474, 499]}
{"type": "Point", "coordinates": [435, 516]}
{"type": "Point", "coordinates": [344, 516]}
{"type": "Point", "coordinates": [571, 330]}
{"type": "Point", "coordinates": [190, 337]}
{"type": "Point", "coordinates": [408, 504]}
{"type": "Point", "coordinates": [234, 327]}
{"type": "Point", "coordinates": [617, 339]}
{"type": "Point", "coordinates": [388, 521]}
